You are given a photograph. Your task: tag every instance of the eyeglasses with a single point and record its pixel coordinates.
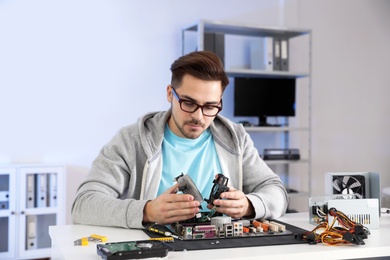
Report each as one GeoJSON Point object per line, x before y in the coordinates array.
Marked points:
{"type": "Point", "coordinates": [190, 107]}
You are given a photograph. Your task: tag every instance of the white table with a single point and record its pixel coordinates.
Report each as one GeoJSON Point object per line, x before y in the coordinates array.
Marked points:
{"type": "Point", "coordinates": [377, 244]}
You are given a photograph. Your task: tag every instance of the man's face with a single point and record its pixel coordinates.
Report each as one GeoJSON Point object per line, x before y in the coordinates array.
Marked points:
{"type": "Point", "coordinates": [201, 92]}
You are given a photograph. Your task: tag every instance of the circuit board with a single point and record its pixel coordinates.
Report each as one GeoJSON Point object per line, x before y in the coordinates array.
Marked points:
{"type": "Point", "coordinates": [204, 241]}
{"type": "Point", "coordinates": [208, 230]}
{"type": "Point", "coordinates": [224, 227]}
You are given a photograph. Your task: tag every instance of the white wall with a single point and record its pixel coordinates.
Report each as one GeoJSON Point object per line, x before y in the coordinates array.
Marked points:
{"type": "Point", "coordinates": [73, 72]}
{"type": "Point", "coordinates": [351, 86]}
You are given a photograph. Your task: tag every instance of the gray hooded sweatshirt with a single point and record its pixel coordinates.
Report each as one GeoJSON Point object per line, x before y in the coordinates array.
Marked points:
{"type": "Point", "coordinates": [127, 173]}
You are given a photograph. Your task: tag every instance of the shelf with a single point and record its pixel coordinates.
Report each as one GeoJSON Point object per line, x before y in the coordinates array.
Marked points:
{"type": "Point", "coordinates": [41, 211]}
{"type": "Point", "coordinates": [265, 74]}
{"type": "Point", "coordinates": [274, 128]}
{"type": "Point", "coordinates": [28, 214]}
{"type": "Point", "coordinates": [298, 194]}
{"type": "Point", "coordinates": [280, 162]}
{"type": "Point", "coordinates": [213, 36]}
{"type": "Point", "coordinates": [246, 30]}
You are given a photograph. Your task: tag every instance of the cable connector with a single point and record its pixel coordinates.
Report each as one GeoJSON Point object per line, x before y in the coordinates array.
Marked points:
{"type": "Point", "coordinates": [81, 242]}
{"type": "Point", "coordinates": [92, 238]}
{"type": "Point", "coordinates": [362, 232]}
{"type": "Point", "coordinates": [353, 238]}
{"type": "Point", "coordinates": [97, 238]}
{"type": "Point", "coordinates": [311, 239]}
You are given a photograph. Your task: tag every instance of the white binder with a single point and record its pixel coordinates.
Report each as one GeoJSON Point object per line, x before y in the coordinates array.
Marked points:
{"type": "Point", "coordinates": [52, 187]}
{"type": "Point", "coordinates": [30, 198]}
{"type": "Point", "coordinates": [31, 232]}
{"type": "Point", "coordinates": [269, 53]}
{"type": "Point", "coordinates": [41, 190]}
{"type": "Point", "coordinates": [261, 54]}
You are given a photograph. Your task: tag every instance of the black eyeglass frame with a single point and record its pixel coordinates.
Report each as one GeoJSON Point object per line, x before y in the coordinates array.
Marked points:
{"type": "Point", "coordinates": [197, 105]}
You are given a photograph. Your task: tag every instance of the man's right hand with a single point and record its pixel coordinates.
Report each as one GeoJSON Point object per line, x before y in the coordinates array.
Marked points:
{"type": "Point", "coordinates": [170, 207]}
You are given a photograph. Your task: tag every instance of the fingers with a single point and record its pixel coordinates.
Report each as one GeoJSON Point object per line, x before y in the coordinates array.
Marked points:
{"type": "Point", "coordinates": [177, 211]}
{"type": "Point", "coordinates": [172, 189]}
{"type": "Point", "coordinates": [171, 198]}
{"type": "Point", "coordinates": [231, 208]}
{"type": "Point", "coordinates": [231, 194]}
{"type": "Point", "coordinates": [169, 208]}
{"type": "Point", "coordinates": [233, 203]}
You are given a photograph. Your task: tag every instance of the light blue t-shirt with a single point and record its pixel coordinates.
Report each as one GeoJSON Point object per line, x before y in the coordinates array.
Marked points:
{"type": "Point", "coordinates": [196, 157]}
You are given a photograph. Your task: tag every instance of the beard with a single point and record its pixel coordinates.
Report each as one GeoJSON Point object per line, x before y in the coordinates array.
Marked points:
{"type": "Point", "coordinates": [190, 133]}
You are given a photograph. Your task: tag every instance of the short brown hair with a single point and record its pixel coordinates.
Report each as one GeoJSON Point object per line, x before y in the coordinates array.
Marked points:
{"type": "Point", "coordinates": [205, 65]}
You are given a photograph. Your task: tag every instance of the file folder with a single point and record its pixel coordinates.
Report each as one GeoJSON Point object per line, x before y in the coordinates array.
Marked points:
{"type": "Point", "coordinates": [284, 52]}
{"type": "Point", "coordinates": [31, 232]}
{"type": "Point", "coordinates": [52, 188]}
{"type": "Point", "coordinates": [269, 47]}
{"type": "Point", "coordinates": [30, 199]}
{"type": "Point", "coordinates": [277, 55]}
{"type": "Point", "coordinates": [41, 190]}
{"type": "Point", "coordinates": [215, 42]}
{"type": "Point", "coordinates": [261, 54]}
{"type": "Point", "coordinates": [4, 200]}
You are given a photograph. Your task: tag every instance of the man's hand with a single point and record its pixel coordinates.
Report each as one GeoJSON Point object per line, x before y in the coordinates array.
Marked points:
{"type": "Point", "coordinates": [234, 203]}
{"type": "Point", "coordinates": [170, 207]}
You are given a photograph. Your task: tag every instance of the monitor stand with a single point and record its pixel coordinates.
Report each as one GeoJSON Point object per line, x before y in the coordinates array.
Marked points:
{"type": "Point", "coordinates": [263, 121]}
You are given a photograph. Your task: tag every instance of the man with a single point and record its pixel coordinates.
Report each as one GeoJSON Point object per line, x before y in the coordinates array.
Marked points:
{"type": "Point", "coordinates": [131, 181]}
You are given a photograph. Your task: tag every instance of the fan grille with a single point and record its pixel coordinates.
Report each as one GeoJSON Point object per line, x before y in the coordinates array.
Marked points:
{"type": "Point", "coordinates": [349, 184]}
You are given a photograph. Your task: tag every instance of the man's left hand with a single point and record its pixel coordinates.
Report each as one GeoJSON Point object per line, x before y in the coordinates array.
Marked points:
{"type": "Point", "coordinates": [234, 203]}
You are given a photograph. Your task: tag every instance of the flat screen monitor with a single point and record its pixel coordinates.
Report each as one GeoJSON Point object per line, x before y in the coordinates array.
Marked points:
{"type": "Point", "coordinates": [263, 97]}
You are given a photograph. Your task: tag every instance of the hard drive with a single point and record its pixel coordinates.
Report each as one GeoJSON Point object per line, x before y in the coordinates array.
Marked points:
{"type": "Point", "coordinates": [133, 250]}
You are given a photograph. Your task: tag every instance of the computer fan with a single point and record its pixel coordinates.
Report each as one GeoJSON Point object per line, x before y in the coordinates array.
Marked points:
{"type": "Point", "coordinates": [364, 185]}
{"type": "Point", "coordinates": [350, 184]}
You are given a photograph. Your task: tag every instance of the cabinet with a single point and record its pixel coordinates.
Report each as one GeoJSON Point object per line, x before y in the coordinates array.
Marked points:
{"type": "Point", "coordinates": [32, 198]}
{"type": "Point", "coordinates": [245, 51]}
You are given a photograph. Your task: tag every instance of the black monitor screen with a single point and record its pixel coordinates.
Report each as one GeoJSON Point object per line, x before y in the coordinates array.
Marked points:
{"type": "Point", "coordinates": [264, 97]}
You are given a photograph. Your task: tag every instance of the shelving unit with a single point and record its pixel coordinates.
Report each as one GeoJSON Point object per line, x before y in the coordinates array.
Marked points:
{"type": "Point", "coordinates": [261, 73]}
{"type": "Point", "coordinates": [294, 132]}
{"type": "Point", "coordinates": [32, 198]}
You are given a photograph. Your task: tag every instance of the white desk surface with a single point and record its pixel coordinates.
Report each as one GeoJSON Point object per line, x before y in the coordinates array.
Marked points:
{"type": "Point", "coordinates": [377, 244]}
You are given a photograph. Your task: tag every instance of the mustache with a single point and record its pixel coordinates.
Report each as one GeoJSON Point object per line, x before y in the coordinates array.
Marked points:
{"type": "Point", "coordinates": [194, 122]}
